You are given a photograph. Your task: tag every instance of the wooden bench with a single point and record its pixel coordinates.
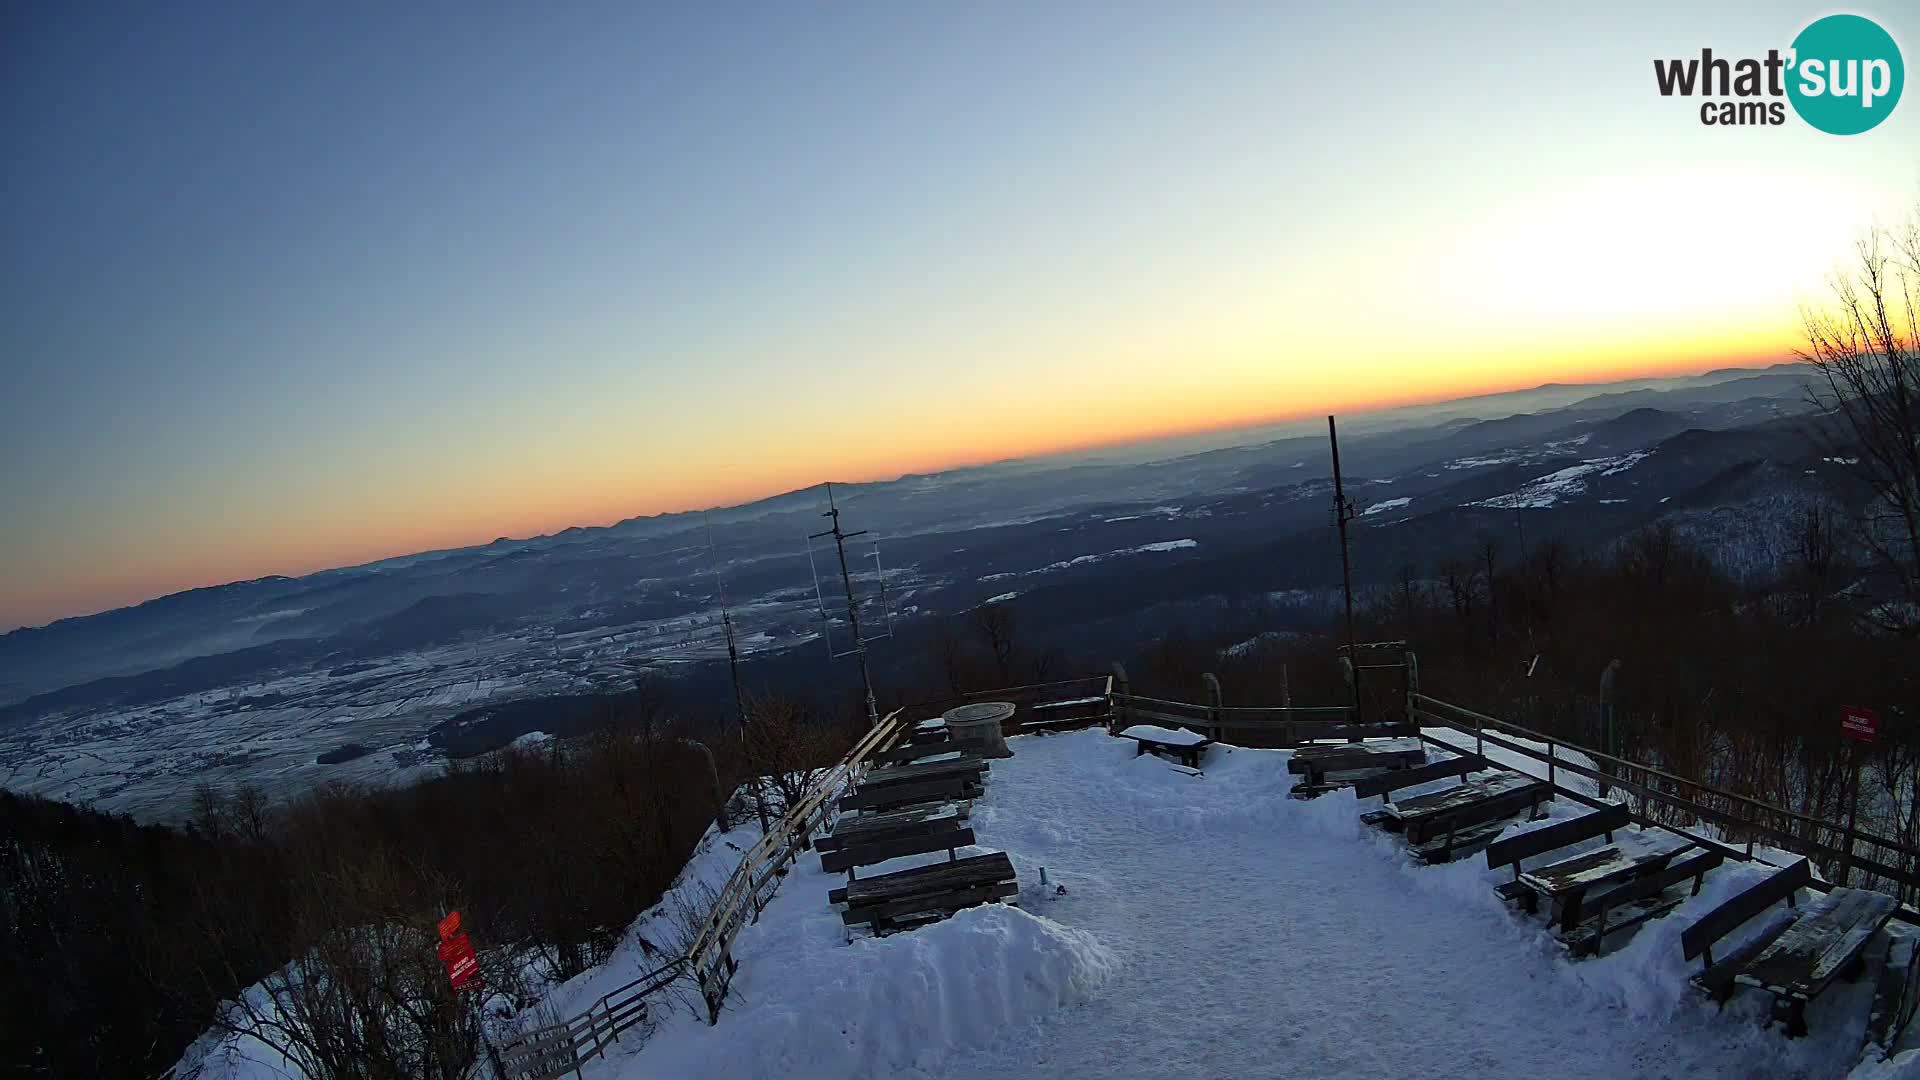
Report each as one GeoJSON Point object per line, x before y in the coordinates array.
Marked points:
{"type": "Point", "coordinates": [1316, 763]}
{"type": "Point", "coordinates": [1186, 745]}
{"type": "Point", "coordinates": [905, 898]}
{"type": "Point", "coordinates": [952, 764]}
{"type": "Point", "coordinates": [1795, 956]}
{"type": "Point", "coordinates": [866, 852]}
{"type": "Point", "coordinates": [931, 731]}
{"type": "Point", "coordinates": [859, 828]}
{"type": "Point", "coordinates": [1638, 901]}
{"type": "Point", "coordinates": [1385, 784]}
{"type": "Point", "coordinates": [1565, 884]}
{"type": "Point", "coordinates": [1515, 849]}
{"type": "Point", "coordinates": [911, 752]}
{"type": "Point", "coordinates": [1465, 818]}
{"type": "Point", "coordinates": [1825, 943]}
{"type": "Point", "coordinates": [951, 788]}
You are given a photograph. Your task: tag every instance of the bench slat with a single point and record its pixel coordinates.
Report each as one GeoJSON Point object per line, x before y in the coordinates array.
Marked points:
{"type": "Point", "coordinates": [893, 847]}
{"type": "Point", "coordinates": [1558, 835]}
{"type": "Point", "coordinates": [1717, 980]}
{"type": "Point", "coordinates": [895, 795]}
{"type": "Point", "coordinates": [943, 903]}
{"type": "Point", "coordinates": [936, 877]}
{"type": "Point", "coordinates": [1600, 866]}
{"type": "Point", "coordinates": [1403, 778]}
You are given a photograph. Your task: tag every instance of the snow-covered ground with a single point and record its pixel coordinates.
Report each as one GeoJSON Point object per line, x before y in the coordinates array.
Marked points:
{"type": "Point", "coordinates": [1215, 927]}
{"type": "Point", "coordinates": [1207, 926]}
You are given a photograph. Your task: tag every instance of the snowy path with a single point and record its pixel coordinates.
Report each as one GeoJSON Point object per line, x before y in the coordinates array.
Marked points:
{"type": "Point", "coordinates": [1215, 927]}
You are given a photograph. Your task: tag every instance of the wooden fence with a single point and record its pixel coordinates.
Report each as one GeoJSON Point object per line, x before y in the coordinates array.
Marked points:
{"type": "Point", "coordinates": [1266, 726]}
{"type": "Point", "coordinates": [1675, 802]}
{"type": "Point", "coordinates": [554, 1051]}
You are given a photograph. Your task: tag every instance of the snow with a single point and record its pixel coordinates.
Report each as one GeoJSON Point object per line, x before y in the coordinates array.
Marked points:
{"type": "Point", "coordinates": [1383, 507]}
{"type": "Point", "coordinates": [1544, 491]}
{"type": "Point", "coordinates": [1218, 929]}
{"type": "Point", "coordinates": [531, 739]}
{"type": "Point", "coordinates": [1143, 549]}
{"type": "Point", "coordinates": [1002, 597]}
{"type": "Point", "coordinates": [1170, 736]}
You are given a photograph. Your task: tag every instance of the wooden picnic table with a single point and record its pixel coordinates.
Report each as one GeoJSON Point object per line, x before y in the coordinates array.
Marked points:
{"type": "Point", "coordinates": [1565, 884]}
{"type": "Point", "coordinates": [1186, 745]}
{"type": "Point", "coordinates": [1822, 943]}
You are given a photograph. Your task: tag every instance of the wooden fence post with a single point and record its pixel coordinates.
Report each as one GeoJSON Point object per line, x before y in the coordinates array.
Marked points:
{"type": "Point", "coordinates": [1117, 718]}
{"type": "Point", "coordinates": [1212, 684]}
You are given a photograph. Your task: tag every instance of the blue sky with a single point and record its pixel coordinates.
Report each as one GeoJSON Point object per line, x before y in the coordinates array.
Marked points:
{"type": "Point", "coordinates": [285, 286]}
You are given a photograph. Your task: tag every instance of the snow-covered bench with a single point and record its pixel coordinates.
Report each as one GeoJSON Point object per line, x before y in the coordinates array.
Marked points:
{"type": "Point", "coordinates": [1603, 891]}
{"type": "Point", "coordinates": [1186, 745]}
{"type": "Point", "coordinates": [1793, 958]}
{"type": "Point", "coordinates": [868, 840]}
{"type": "Point", "coordinates": [911, 752]}
{"type": "Point", "coordinates": [1327, 766]}
{"type": "Point", "coordinates": [1462, 819]}
{"type": "Point", "coordinates": [924, 894]}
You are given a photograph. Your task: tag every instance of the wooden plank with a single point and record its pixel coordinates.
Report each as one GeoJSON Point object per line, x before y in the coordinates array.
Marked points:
{"type": "Point", "coordinates": [864, 828]}
{"type": "Point", "coordinates": [1508, 802]}
{"type": "Point", "coordinates": [1631, 856]}
{"type": "Point", "coordinates": [1459, 795]}
{"type": "Point", "coordinates": [1339, 757]}
{"type": "Point", "coordinates": [1405, 778]}
{"type": "Point", "coordinates": [911, 752]}
{"type": "Point", "coordinates": [879, 851]}
{"type": "Point", "coordinates": [1896, 991]}
{"type": "Point", "coordinates": [1465, 841]}
{"type": "Point", "coordinates": [937, 877]}
{"type": "Point", "coordinates": [1717, 923]}
{"type": "Point", "coordinates": [1820, 945]}
{"type": "Point", "coordinates": [968, 765]}
{"type": "Point", "coordinates": [943, 903]}
{"type": "Point", "coordinates": [896, 795]}
{"type": "Point", "coordinates": [1557, 835]}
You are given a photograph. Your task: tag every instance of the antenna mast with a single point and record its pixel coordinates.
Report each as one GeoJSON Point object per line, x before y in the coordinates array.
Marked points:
{"type": "Point", "coordinates": [1343, 513]}
{"type": "Point", "coordinates": [859, 650]}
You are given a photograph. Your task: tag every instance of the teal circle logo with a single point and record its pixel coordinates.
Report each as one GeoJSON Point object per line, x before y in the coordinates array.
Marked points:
{"type": "Point", "coordinates": [1846, 74]}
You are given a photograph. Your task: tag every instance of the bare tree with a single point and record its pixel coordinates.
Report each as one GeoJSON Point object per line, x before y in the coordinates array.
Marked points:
{"type": "Point", "coordinates": [1866, 347]}
{"type": "Point", "coordinates": [995, 623]}
{"type": "Point", "coordinates": [788, 745]}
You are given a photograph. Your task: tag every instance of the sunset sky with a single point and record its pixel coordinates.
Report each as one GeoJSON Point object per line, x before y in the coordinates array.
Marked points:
{"type": "Point", "coordinates": [287, 286]}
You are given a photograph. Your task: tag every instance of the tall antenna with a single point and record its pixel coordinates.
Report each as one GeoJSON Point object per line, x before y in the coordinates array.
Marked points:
{"type": "Point", "coordinates": [859, 649]}
{"type": "Point", "coordinates": [1343, 513]}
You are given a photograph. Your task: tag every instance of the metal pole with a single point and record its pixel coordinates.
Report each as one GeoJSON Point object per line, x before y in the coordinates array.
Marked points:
{"type": "Point", "coordinates": [1607, 678]}
{"type": "Point", "coordinates": [1342, 513]}
{"type": "Point", "coordinates": [853, 612]}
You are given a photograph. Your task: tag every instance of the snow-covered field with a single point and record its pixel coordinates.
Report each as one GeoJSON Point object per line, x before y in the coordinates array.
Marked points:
{"type": "Point", "coordinates": [1207, 926]}
{"type": "Point", "coordinates": [1216, 927]}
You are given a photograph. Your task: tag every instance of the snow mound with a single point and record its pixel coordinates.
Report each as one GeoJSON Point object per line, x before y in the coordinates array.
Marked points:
{"type": "Point", "coordinates": [903, 1002]}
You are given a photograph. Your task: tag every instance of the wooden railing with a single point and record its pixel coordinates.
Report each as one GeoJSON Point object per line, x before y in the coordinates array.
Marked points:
{"type": "Point", "coordinates": [559, 1049]}
{"type": "Point", "coordinates": [1269, 726]}
{"type": "Point", "coordinates": [1676, 802]}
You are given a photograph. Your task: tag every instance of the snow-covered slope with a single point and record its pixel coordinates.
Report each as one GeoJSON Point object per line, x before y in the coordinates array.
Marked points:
{"type": "Point", "coordinates": [1215, 927]}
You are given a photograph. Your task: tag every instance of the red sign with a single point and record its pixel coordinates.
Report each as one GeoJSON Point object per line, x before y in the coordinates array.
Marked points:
{"type": "Point", "coordinates": [450, 925]}
{"type": "Point", "coordinates": [1858, 724]}
{"type": "Point", "coordinates": [462, 966]}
